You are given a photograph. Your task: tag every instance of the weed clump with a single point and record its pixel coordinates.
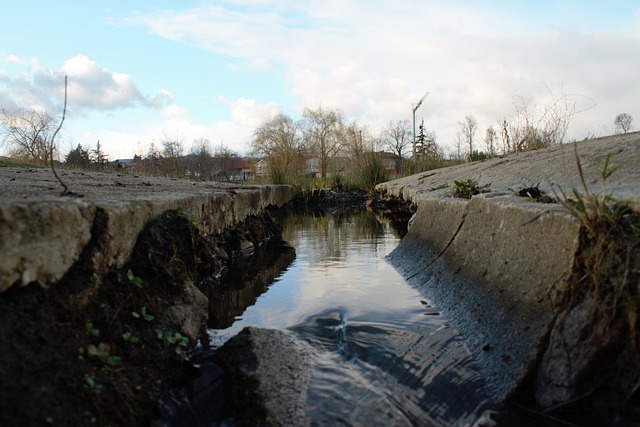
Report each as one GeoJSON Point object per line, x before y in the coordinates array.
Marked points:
{"type": "Point", "coordinates": [467, 189]}
{"type": "Point", "coordinates": [592, 362]}
{"type": "Point", "coordinates": [535, 194]}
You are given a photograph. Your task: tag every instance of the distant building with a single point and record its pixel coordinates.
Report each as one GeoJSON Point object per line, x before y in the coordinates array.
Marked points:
{"type": "Point", "coordinates": [391, 161]}
{"type": "Point", "coordinates": [126, 164]}
{"type": "Point", "coordinates": [262, 169]}
{"type": "Point", "coordinates": [242, 171]}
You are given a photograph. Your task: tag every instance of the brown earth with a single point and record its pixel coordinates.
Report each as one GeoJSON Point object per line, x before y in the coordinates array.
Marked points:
{"type": "Point", "coordinates": [93, 350]}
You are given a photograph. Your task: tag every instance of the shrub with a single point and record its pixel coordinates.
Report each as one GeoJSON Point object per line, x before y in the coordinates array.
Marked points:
{"type": "Point", "coordinates": [372, 172]}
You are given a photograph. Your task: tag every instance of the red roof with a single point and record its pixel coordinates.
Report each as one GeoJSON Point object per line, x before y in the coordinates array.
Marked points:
{"type": "Point", "coordinates": [241, 164]}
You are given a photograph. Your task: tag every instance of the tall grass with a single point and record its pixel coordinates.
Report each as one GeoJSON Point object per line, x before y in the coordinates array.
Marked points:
{"type": "Point", "coordinates": [372, 172]}
{"type": "Point", "coordinates": [605, 277]}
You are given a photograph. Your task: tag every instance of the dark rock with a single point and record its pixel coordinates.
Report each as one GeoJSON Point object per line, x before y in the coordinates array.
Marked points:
{"type": "Point", "coordinates": [266, 373]}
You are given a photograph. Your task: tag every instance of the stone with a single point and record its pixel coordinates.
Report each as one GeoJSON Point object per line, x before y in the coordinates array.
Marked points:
{"type": "Point", "coordinates": [266, 374]}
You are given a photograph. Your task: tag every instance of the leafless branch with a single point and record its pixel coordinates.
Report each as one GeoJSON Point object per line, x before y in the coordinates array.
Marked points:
{"type": "Point", "coordinates": [53, 138]}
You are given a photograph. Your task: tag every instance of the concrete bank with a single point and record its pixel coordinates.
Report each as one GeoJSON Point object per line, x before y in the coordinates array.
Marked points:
{"type": "Point", "coordinates": [103, 294]}
{"type": "Point", "coordinates": [42, 233]}
{"type": "Point", "coordinates": [498, 262]}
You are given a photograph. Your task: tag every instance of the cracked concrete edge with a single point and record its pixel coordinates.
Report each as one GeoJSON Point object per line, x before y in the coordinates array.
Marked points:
{"type": "Point", "coordinates": [38, 241]}
{"type": "Point", "coordinates": [491, 264]}
{"type": "Point", "coordinates": [41, 240]}
{"type": "Point", "coordinates": [495, 262]}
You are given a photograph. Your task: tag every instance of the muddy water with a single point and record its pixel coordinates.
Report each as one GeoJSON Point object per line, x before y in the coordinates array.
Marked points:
{"type": "Point", "coordinates": [387, 357]}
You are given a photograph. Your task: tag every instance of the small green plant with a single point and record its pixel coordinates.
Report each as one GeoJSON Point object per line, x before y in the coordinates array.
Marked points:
{"type": "Point", "coordinates": [339, 182]}
{"type": "Point", "coordinates": [130, 338]}
{"type": "Point", "coordinates": [95, 278]}
{"type": "Point", "coordinates": [91, 418]}
{"type": "Point", "coordinates": [317, 186]}
{"type": "Point", "coordinates": [467, 189]}
{"type": "Point", "coordinates": [605, 272]}
{"type": "Point", "coordinates": [441, 186]}
{"type": "Point", "coordinates": [143, 314]}
{"type": "Point", "coordinates": [134, 280]}
{"type": "Point", "coordinates": [182, 213]}
{"type": "Point", "coordinates": [92, 384]}
{"type": "Point", "coordinates": [106, 357]}
{"type": "Point", "coordinates": [175, 339]}
{"type": "Point", "coordinates": [92, 330]}
{"type": "Point", "coordinates": [595, 210]}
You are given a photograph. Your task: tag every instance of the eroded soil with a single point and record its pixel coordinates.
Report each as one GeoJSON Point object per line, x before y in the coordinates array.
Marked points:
{"type": "Point", "coordinates": [94, 350]}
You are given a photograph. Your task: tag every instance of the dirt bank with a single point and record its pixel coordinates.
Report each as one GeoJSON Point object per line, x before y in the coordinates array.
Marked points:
{"type": "Point", "coordinates": [103, 350]}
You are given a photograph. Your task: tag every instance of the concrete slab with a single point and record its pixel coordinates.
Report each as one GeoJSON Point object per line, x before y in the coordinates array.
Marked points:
{"type": "Point", "coordinates": [496, 262]}
{"type": "Point", "coordinates": [43, 233]}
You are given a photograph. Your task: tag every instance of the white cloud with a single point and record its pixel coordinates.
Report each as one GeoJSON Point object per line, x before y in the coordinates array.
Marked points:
{"type": "Point", "coordinates": [13, 59]}
{"type": "Point", "coordinates": [374, 59]}
{"type": "Point", "coordinates": [248, 113]}
{"type": "Point", "coordinates": [174, 112]}
{"type": "Point", "coordinates": [161, 99]}
{"type": "Point", "coordinates": [90, 86]}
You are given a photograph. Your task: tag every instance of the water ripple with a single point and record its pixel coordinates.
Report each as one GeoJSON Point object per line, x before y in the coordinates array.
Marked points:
{"type": "Point", "coordinates": [392, 373]}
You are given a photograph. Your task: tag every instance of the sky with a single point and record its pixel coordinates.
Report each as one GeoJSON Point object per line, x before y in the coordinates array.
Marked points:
{"type": "Point", "coordinates": [143, 71]}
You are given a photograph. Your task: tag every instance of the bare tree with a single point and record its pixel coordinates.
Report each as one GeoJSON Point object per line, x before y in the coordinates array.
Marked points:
{"type": "Point", "coordinates": [397, 136]}
{"type": "Point", "coordinates": [28, 134]}
{"type": "Point", "coordinates": [200, 163]}
{"type": "Point", "coordinates": [323, 131]}
{"type": "Point", "coordinates": [532, 129]}
{"type": "Point", "coordinates": [223, 162]}
{"type": "Point", "coordinates": [153, 152]}
{"type": "Point", "coordinates": [553, 124]}
{"type": "Point", "coordinates": [505, 136]}
{"type": "Point", "coordinates": [173, 152]}
{"type": "Point", "coordinates": [280, 143]}
{"type": "Point", "coordinates": [623, 123]}
{"type": "Point", "coordinates": [491, 141]}
{"type": "Point", "coordinates": [457, 143]}
{"type": "Point", "coordinates": [354, 142]}
{"type": "Point", "coordinates": [468, 129]}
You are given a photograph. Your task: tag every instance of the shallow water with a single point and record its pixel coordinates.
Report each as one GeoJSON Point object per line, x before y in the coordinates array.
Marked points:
{"type": "Point", "coordinates": [387, 357]}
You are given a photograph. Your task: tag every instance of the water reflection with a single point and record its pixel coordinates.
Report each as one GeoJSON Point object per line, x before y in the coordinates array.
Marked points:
{"type": "Point", "coordinates": [385, 357]}
{"type": "Point", "coordinates": [244, 282]}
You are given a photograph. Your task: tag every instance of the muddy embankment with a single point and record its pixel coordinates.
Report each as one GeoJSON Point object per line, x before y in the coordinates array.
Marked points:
{"type": "Point", "coordinates": [543, 281]}
{"type": "Point", "coordinates": [105, 291]}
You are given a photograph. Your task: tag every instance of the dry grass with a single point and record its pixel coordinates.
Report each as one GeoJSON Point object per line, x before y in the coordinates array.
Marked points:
{"type": "Point", "coordinates": [606, 271]}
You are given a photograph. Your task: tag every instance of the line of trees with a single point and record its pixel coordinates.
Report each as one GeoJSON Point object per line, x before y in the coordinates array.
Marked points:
{"type": "Point", "coordinates": [28, 136]}
{"type": "Point", "coordinates": [526, 130]}
{"type": "Point", "coordinates": [324, 141]}
{"type": "Point", "coordinates": [203, 162]}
